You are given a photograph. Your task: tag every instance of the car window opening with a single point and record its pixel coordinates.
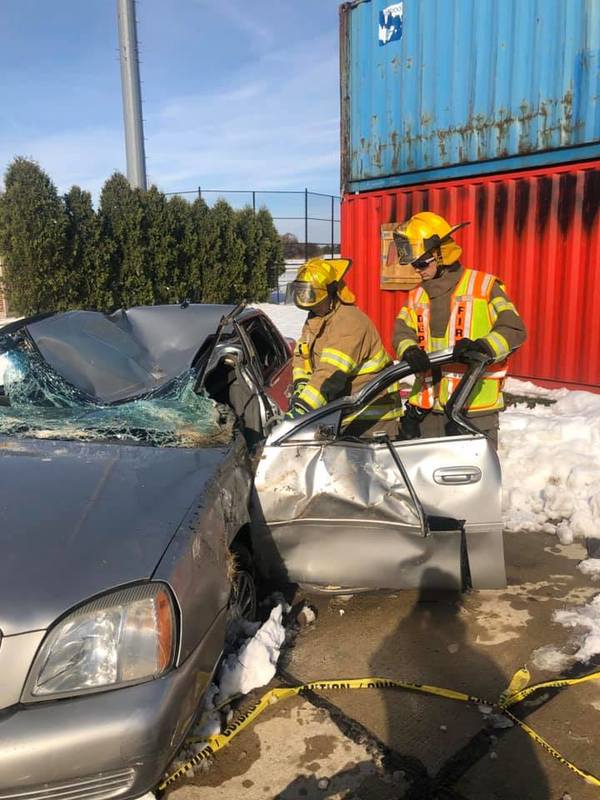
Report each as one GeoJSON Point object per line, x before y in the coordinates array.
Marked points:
{"type": "Point", "coordinates": [230, 385]}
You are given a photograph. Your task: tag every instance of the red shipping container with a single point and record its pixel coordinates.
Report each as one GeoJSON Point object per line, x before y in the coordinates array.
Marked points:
{"type": "Point", "coordinates": [537, 230]}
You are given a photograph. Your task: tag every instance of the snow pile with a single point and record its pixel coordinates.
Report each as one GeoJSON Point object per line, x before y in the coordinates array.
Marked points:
{"type": "Point", "coordinates": [210, 723]}
{"type": "Point", "coordinates": [551, 466]}
{"type": "Point", "coordinates": [585, 620]}
{"type": "Point", "coordinates": [590, 567]}
{"type": "Point", "coordinates": [515, 386]}
{"type": "Point", "coordinates": [255, 662]}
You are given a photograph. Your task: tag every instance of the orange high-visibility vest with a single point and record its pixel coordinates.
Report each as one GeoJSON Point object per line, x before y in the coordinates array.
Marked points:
{"type": "Point", "coordinates": [471, 317]}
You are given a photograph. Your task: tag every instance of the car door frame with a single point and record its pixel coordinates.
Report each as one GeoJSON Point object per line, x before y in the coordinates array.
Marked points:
{"type": "Point", "coordinates": [459, 473]}
{"type": "Point", "coordinates": [272, 380]}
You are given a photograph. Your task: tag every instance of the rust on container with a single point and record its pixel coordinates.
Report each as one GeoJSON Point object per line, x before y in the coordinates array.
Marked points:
{"type": "Point", "coordinates": [479, 126]}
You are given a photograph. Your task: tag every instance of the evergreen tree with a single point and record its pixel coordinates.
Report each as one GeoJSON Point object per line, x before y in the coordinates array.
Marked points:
{"type": "Point", "coordinates": [33, 226]}
{"type": "Point", "coordinates": [122, 224]}
{"type": "Point", "coordinates": [202, 245]}
{"type": "Point", "coordinates": [183, 250]}
{"type": "Point", "coordinates": [257, 249]}
{"type": "Point", "coordinates": [223, 276]}
{"type": "Point", "coordinates": [275, 262]}
{"type": "Point", "coordinates": [158, 244]}
{"type": "Point", "coordinates": [89, 284]}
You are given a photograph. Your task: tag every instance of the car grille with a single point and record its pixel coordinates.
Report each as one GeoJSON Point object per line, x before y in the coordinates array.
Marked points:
{"type": "Point", "coordinates": [94, 787]}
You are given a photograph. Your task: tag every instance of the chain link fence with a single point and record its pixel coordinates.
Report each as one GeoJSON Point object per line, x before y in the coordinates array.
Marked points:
{"type": "Point", "coordinates": [308, 222]}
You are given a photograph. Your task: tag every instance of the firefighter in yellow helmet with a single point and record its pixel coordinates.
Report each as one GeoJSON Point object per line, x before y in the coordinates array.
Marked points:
{"type": "Point", "coordinates": [456, 307]}
{"type": "Point", "coordinates": [339, 349]}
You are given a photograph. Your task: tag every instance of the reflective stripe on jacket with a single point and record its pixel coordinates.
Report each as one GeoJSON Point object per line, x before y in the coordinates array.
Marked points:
{"type": "Point", "coordinates": [336, 356]}
{"type": "Point", "coordinates": [473, 314]}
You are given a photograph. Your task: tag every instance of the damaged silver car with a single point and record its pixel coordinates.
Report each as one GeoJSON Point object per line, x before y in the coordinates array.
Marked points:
{"type": "Point", "coordinates": [145, 469]}
{"type": "Point", "coordinates": [124, 496]}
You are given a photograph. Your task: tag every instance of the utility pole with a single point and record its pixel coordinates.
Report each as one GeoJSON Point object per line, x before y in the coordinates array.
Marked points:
{"type": "Point", "coordinates": [132, 96]}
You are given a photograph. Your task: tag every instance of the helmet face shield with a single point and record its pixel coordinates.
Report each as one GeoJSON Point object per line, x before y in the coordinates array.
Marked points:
{"type": "Point", "coordinates": [407, 253]}
{"type": "Point", "coordinates": [304, 294]}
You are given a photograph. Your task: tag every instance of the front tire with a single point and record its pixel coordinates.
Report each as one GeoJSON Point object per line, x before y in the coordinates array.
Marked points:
{"type": "Point", "coordinates": [243, 598]}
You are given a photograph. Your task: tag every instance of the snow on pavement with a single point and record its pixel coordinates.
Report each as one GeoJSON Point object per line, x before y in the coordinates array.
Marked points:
{"type": "Point", "coordinates": [585, 620]}
{"type": "Point", "coordinates": [288, 318]}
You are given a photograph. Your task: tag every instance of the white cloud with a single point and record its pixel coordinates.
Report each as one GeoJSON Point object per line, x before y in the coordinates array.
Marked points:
{"type": "Point", "coordinates": [280, 130]}
{"type": "Point", "coordinates": [85, 157]}
{"type": "Point", "coordinates": [274, 126]}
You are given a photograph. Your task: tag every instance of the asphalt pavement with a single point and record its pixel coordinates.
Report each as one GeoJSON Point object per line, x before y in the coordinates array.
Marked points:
{"type": "Point", "coordinates": [373, 744]}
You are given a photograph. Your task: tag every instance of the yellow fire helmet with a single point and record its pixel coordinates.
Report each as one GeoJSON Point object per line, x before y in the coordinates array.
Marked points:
{"type": "Point", "coordinates": [314, 278]}
{"type": "Point", "coordinates": [425, 235]}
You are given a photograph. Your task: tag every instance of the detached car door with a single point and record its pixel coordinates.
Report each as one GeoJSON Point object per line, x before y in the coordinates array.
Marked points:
{"type": "Point", "coordinates": [342, 513]}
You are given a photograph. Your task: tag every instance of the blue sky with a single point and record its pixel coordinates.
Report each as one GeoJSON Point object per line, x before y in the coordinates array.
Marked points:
{"type": "Point", "coordinates": [236, 93]}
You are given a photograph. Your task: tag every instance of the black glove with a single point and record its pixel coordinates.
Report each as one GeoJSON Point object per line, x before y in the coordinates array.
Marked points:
{"type": "Point", "coordinates": [417, 359]}
{"type": "Point", "coordinates": [410, 423]}
{"type": "Point", "coordinates": [465, 346]}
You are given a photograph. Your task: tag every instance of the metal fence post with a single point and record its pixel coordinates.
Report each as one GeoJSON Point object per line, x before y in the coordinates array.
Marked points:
{"type": "Point", "coordinates": [332, 230]}
{"type": "Point", "coordinates": [306, 224]}
{"type": "Point", "coordinates": [254, 201]}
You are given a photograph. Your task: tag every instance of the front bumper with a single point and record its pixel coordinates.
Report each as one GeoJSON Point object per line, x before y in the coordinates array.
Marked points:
{"type": "Point", "coordinates": [112, 744]}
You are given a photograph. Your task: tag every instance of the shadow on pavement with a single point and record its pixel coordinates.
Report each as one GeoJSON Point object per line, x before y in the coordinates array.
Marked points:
{"type": "Point", "coordinates": [359, 782]}
{"type": "Point", "coordinates": [430, 645]}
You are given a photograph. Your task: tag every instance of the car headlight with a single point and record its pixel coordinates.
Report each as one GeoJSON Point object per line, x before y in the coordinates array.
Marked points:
{"type": "Point", "coordinates": [122, 638]}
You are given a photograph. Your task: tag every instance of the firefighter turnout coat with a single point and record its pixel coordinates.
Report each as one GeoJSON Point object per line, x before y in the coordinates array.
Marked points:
{"type": "Point", "coordinates": [460, 303]}
{"type": "Point", "coordinates": [338, 354]}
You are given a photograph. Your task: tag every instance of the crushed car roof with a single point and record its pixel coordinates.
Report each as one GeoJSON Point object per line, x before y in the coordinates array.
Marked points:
{"type": "Point", "coordinates": [128, 353]}
{"type": "Point", "coordinates": [128, 376]}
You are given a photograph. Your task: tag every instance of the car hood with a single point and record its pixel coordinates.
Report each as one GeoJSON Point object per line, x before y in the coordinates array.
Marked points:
{"type": "Point", "coordinates": [79, 519]}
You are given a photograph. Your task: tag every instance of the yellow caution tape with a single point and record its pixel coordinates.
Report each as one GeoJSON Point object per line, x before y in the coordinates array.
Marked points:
{"type": "Point", "coordinates": [518, 682]}
{"type": "Point", "coordinates": [516, 691]}
{"type": "Point", "coordinates": [558, 683]}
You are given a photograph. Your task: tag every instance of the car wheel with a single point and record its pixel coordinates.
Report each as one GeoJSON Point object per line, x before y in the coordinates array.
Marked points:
{"type": "Point", "coordinates": [243, 597]}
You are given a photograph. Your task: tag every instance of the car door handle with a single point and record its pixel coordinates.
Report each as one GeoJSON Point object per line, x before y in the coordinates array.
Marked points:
{"type": "Point", "coordinates": [457, 475]}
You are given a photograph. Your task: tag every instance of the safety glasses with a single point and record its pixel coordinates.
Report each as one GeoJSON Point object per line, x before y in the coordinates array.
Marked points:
{"type": "Point", "coordinates": [423, 263]}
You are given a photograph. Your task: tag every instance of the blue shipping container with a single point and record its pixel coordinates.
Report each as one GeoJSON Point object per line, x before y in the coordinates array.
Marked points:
{"type": "Point", "coordinates": [435, 89]}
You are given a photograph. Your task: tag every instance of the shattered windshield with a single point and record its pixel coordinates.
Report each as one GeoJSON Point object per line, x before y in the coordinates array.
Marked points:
{"type": "Point", "coordinates": [35, 401]}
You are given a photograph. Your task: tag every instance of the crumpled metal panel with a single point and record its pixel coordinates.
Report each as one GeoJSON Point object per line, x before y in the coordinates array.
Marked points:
{"type": "Point", "coordinates": [311, 482]}
{"type": "Point", "coordinates": [467, 82]}
{"type": "Point", "coordinates": [197, 562]}
{"type": "Point", "coordinates": [360, 555]}
{"type": "Point", "coordinates": [118, 356]}
{"type": "Point", "coordinates": [348, 514]}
